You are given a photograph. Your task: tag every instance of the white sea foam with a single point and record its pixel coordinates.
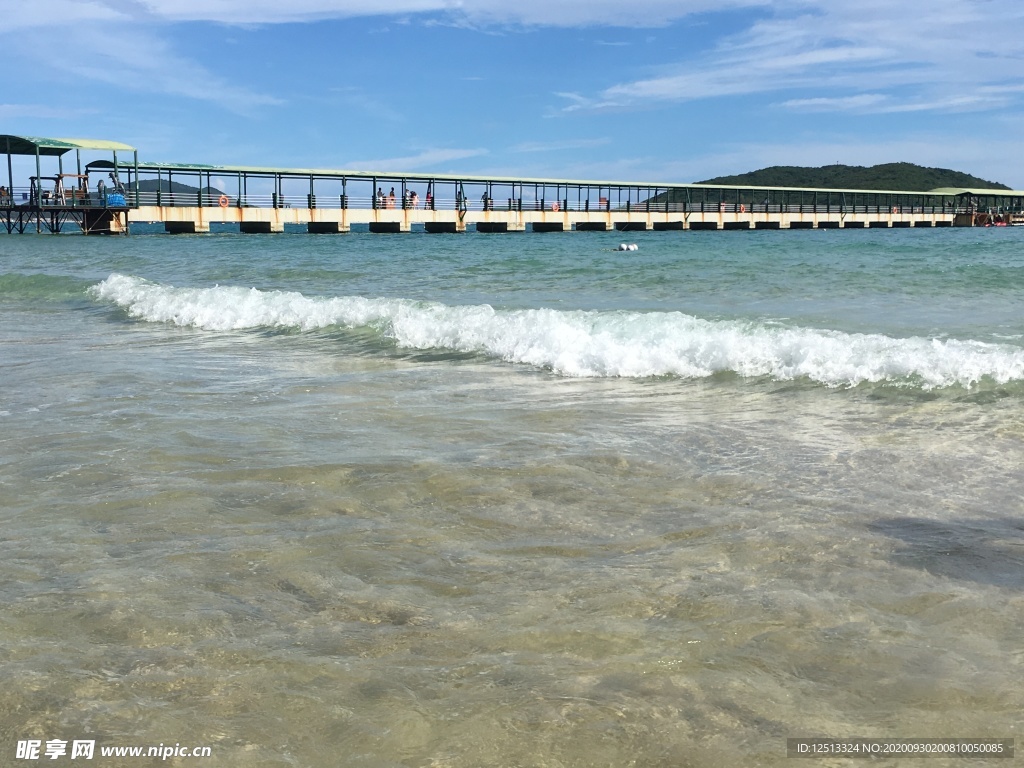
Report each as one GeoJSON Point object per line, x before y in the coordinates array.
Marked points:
{"type": "Point", "coordinates": [583, 343]}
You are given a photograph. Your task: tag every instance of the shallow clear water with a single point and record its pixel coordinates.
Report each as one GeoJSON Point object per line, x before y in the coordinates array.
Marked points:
{"type": "Point", "coordinates": [516, 500]}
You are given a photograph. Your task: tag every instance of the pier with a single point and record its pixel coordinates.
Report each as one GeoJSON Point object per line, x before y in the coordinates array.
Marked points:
{"type": "Point", "coordinates": [189, 198]}
{"type": "Point", "coordinates": [61, 198]}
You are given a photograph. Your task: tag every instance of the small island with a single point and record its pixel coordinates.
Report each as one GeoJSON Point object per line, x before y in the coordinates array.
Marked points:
{"type": "Point", "coordinates": [887, 176]}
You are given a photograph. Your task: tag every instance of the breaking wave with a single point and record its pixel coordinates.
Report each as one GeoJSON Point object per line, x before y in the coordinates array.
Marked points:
{"type": "Point", "coordinates": [587, 343]}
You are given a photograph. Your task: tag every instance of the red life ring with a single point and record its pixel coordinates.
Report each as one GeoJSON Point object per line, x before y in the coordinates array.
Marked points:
{"type": "Point", "coordinates": [743, 208]}
{"type": "Point", "coordinates": [554, 207]}
{"type": "Point", "coordinates": [895, 209]}
{"type": "Point", "coordinates": [223, 201]}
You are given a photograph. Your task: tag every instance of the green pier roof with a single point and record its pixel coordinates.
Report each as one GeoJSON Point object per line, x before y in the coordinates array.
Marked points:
{"type": "Point", "coordinates": [29, 145]}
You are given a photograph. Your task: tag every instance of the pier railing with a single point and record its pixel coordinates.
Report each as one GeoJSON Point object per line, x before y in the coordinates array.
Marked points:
{"type": "Point", "coordinates": [211, 200]}
{"type": "Point", "coordinates": [246, 187]}
{"type": "Point", "coordinates": [28, 196]}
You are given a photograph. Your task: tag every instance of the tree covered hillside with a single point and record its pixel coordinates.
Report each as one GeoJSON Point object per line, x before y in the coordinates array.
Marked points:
{"type": "Point", "coordinates": [890, 176]}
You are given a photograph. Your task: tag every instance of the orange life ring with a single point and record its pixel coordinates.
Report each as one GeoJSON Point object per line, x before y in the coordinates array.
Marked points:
{"type": "Point", "coordinates": [223, 201]}
{"type": "Point", "coordinates": [554, 207]}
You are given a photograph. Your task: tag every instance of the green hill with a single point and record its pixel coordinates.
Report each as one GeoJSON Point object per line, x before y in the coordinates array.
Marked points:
{"type": "Point", "coordinates": [889, 176]}
{"type": "Point", "coordinates": [153, 185]}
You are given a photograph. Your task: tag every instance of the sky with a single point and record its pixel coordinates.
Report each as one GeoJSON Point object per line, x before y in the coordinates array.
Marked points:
{"type": "Point", "coordinates": [670, 91]}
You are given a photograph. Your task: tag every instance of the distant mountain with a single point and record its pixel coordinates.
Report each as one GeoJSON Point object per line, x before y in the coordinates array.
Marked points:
{"type": "Point", "coordinates": [153, 185]}
{"type": "Point", "coordinates": [889, 176]}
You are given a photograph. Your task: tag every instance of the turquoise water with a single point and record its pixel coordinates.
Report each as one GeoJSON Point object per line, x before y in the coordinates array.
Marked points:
{"type": "Point", "coordinates": [430, 500]}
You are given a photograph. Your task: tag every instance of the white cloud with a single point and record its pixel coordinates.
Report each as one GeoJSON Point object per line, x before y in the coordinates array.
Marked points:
{"type": "Point", "coordinates": [18, 14]}
{"type": "Point", "coordinates": [135, 60]}
{"type": "Point", "coordinates": [425, 159]}
{"type": "Point", "coordinates": [559, 146]}
{"type": "Point", "coordinates": [918, 55]}
{"type": "Point", "coordinates": [564, 13]}
{"type": "Point", "coordinates": [859, 102]}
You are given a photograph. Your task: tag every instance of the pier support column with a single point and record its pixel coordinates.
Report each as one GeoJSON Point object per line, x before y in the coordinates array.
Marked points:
{"type": "Point", "coordinates": [326, 227]}
{"type": "Point", "coordinates": [260, 227]}
{"type": "Point", "coordinates": [102, 222]}
{"type": "Point", "coordinates": [387, 227]}
{"type": "Point", "coordinates": [631, 226]}
{"type": "Point", "coordinates": [186, 227]}
{"type": "Point", "coordinates": [500, 226]}
{"type": "Point", "coordinates": [444, 227]}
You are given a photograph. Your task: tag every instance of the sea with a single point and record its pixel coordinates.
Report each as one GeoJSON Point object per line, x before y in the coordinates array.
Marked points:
{"type": "Point", "coordinates": [518, 500]}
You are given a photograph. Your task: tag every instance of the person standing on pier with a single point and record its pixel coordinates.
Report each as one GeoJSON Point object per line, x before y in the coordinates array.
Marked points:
{"type": "Point", "coordinates": [391, 198]}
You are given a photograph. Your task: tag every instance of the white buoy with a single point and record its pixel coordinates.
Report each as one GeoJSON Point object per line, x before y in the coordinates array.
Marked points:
{"type": "Point", "coordinates": [628, 247]}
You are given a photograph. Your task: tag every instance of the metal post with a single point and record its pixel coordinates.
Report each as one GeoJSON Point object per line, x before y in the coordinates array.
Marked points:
{"type": "Point", "coordinates": [10, 174]}
{"type": "Point", "coordinates": [38, 195]}
{"type": "Point", "coordinates": [117, 178]}
{"type": "Point", "coordinates": [78, 166]}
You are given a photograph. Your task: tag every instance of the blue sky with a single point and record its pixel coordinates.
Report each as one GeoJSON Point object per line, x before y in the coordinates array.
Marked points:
{"type": "Point", "coordinates": [645, 90]}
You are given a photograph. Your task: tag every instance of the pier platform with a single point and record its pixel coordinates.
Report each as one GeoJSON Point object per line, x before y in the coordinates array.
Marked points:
{"type": "Point", "coordinates": [251, 220]}
{"type": "Point", "coordinates": [189, 198]}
